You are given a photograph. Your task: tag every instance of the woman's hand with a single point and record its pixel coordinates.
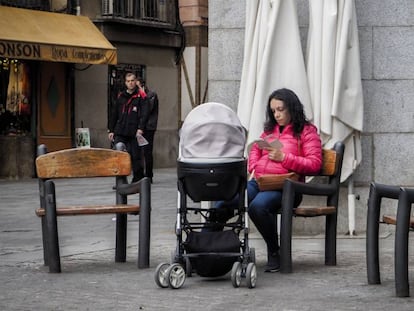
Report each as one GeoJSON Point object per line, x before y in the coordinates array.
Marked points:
{"type": "Point", "coordinates": [275, 154]}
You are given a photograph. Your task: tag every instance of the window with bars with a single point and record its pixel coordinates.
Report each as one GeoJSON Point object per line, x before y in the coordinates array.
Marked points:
{"type": "Point", "coordinates": [150, 10]}
{"type": "Point", "coordinates": [42, 5]}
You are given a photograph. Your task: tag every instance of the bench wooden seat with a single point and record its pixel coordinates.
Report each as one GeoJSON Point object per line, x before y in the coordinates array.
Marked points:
{"type": "Point", "coordinates": [89, 163]}
{"type": "Point", "coordinates": [327, 187]}
{"type": "Point", "coordinates": [92, 210]}
{"type": "Point", "coordinates": [392, 220]}
{"type": "Point", "coordinates": [314, 211]}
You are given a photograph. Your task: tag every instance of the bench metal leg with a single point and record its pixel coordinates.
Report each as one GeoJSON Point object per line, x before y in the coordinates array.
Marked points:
{"type": "Point", "coordinates": [373, 214]}
{"type": "Point", "coordinates": [121, 238]}
{"type": "Point", "coordinates": [121, 223]}
{"type": "Point", "coordinates": [45, 242]}
{"type": "Point", "coordinates": [330, 240]}
{"type": "Point", "coordinates": [144, 224]}
{"type": "Point", "coordinates": [405, 200]}
{"type": "Point", "coordinates": [286, 230]}
{"type": "Point", "coordinates": [43, 222]}
{"type": "Point", "coordinates": [376, 193]}
{"type": "Point", "coordinates": [51, 224]}
{"type": "Point", "coordinates": [41, 149]}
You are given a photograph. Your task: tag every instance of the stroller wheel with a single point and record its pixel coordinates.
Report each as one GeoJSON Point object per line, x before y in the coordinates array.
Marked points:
{"type": "Point", "coordinates": [161, 276]}
{"type": "Point", "coordinates": [236, 272]}
{"type": "Point", "coordinates": [176, 276]}
{"type": "Point", "coordinates": [251, 275]}
{"type": "Point", "coordinates": [188, 268]}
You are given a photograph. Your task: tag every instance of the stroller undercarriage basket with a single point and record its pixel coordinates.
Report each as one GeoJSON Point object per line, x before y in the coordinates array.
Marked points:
{"type": "Point", "coordinates": [212, 253]}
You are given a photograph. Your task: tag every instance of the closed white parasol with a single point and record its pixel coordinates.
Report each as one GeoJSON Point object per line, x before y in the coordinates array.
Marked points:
{"type": "Point", "coordinates": [333, 68]}
{"type": "Point", "coordinates": [273, 59]}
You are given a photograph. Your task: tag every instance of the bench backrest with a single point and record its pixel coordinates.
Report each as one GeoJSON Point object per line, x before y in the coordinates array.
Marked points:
{"type": "Point", "coordinates": [329, 162]}
{"type": "Point", "coordinates": [87, 162]}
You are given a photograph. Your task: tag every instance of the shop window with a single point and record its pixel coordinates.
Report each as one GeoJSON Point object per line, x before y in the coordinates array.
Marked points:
{"type": "Point", "coordinates": [15, 97]}
{"type": "Point", "coordinates": [117, 80]}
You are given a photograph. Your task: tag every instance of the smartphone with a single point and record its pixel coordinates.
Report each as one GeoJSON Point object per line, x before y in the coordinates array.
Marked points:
{"type": "Point", "coordinates": [262, 143]}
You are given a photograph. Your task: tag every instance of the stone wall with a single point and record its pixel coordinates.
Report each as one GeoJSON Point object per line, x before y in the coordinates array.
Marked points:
{"type": "Point", "coordinates": [386, 35]}
{"type": "Point", "coordinates": [16, 157]}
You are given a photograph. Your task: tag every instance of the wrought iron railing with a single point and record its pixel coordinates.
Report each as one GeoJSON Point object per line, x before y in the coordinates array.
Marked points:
{"type": "Point", "coordinates": [150, 11]}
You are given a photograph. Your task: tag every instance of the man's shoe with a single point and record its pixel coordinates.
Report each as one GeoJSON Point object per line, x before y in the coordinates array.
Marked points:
{"type": "Point", "coordinates": [273, 263]}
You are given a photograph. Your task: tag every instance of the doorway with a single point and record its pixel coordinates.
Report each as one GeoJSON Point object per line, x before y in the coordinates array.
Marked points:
{"type": "Point", "coordinates": [54, 109]}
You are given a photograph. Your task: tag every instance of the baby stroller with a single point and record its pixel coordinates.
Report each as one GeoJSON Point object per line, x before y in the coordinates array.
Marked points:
{"type": "Point", "coordinates": [211, 167]}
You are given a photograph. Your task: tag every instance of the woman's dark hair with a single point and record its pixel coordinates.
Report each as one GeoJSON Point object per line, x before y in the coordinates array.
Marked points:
{"type": "Point", "coordinates": [294, 107]}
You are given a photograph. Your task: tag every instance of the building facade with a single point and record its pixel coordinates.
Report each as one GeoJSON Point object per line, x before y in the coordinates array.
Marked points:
{"type": "Point", "coordinates": [386, 37]}
{"type": "Point", "coordinates": [194, 61]}
{"type": "Point", "coordinates": [149, 41]}
{"type": "Point", "coordinates": [55, 95]}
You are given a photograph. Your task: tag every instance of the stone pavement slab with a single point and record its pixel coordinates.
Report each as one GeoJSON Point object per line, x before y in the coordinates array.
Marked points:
{"type": "Point", "coordinates": [91, 280]}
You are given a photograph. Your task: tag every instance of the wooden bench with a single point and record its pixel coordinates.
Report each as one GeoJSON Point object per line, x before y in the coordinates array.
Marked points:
{"type": "Point", "coordinates": [331, 168]}
{"type": "Point", "coordinates": [91, 163]}
{"type": "Point", "coordinates": [403, 222]}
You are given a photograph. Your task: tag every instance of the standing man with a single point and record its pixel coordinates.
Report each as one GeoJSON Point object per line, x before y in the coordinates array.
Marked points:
{"type": "Point", "coordinates": [150, 127]}
{"type": "Point", "coordinates": [127, 120]}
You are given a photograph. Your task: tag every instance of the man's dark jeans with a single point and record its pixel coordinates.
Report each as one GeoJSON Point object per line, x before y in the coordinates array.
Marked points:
{"type": "Point", "coordinates": [136, 158]}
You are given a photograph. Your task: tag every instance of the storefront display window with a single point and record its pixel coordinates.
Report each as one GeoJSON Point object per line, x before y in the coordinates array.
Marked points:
{"type": "Point", "coordinates": [15, 97]}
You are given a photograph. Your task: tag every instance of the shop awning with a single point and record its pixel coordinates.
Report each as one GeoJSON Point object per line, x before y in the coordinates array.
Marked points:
{"type": "Point", "coordinates": [55, 37]}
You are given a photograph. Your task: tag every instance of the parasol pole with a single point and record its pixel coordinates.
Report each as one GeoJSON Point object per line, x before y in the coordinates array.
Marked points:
{"type": "Point", "coordinates": [351, 195]}
{"type": "Point", "coordinates": [351, 206]}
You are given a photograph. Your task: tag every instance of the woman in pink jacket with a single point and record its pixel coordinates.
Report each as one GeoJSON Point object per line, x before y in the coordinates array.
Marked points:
{"type": "Point", "coordinates": [299, 151]}
{"type": "Point", "coordinates": [297, 148]}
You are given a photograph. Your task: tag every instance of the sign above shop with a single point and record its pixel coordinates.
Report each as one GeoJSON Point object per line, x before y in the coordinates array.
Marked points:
{"type": "Point", "coordinates": [39, 35]}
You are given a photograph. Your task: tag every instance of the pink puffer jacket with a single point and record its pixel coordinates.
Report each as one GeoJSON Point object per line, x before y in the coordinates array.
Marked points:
{"type": "Point", "coordinates": [303, 156]}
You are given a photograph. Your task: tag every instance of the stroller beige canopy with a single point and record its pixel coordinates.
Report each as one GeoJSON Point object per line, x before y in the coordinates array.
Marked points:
{"type": "Point", "coordinates": [212, 131]}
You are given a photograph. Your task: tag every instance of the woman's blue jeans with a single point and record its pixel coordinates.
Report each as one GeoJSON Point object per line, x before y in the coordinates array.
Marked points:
{"type": "Point", "coordinates": [262, 208]}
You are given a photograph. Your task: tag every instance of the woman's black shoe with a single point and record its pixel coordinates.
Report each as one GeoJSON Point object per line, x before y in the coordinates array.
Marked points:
{"type": "Point", "coordinates": [273, 262]}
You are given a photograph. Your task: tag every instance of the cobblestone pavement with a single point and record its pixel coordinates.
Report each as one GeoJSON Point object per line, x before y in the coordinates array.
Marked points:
{"type": "Point", "coordinates": [92, 281]}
